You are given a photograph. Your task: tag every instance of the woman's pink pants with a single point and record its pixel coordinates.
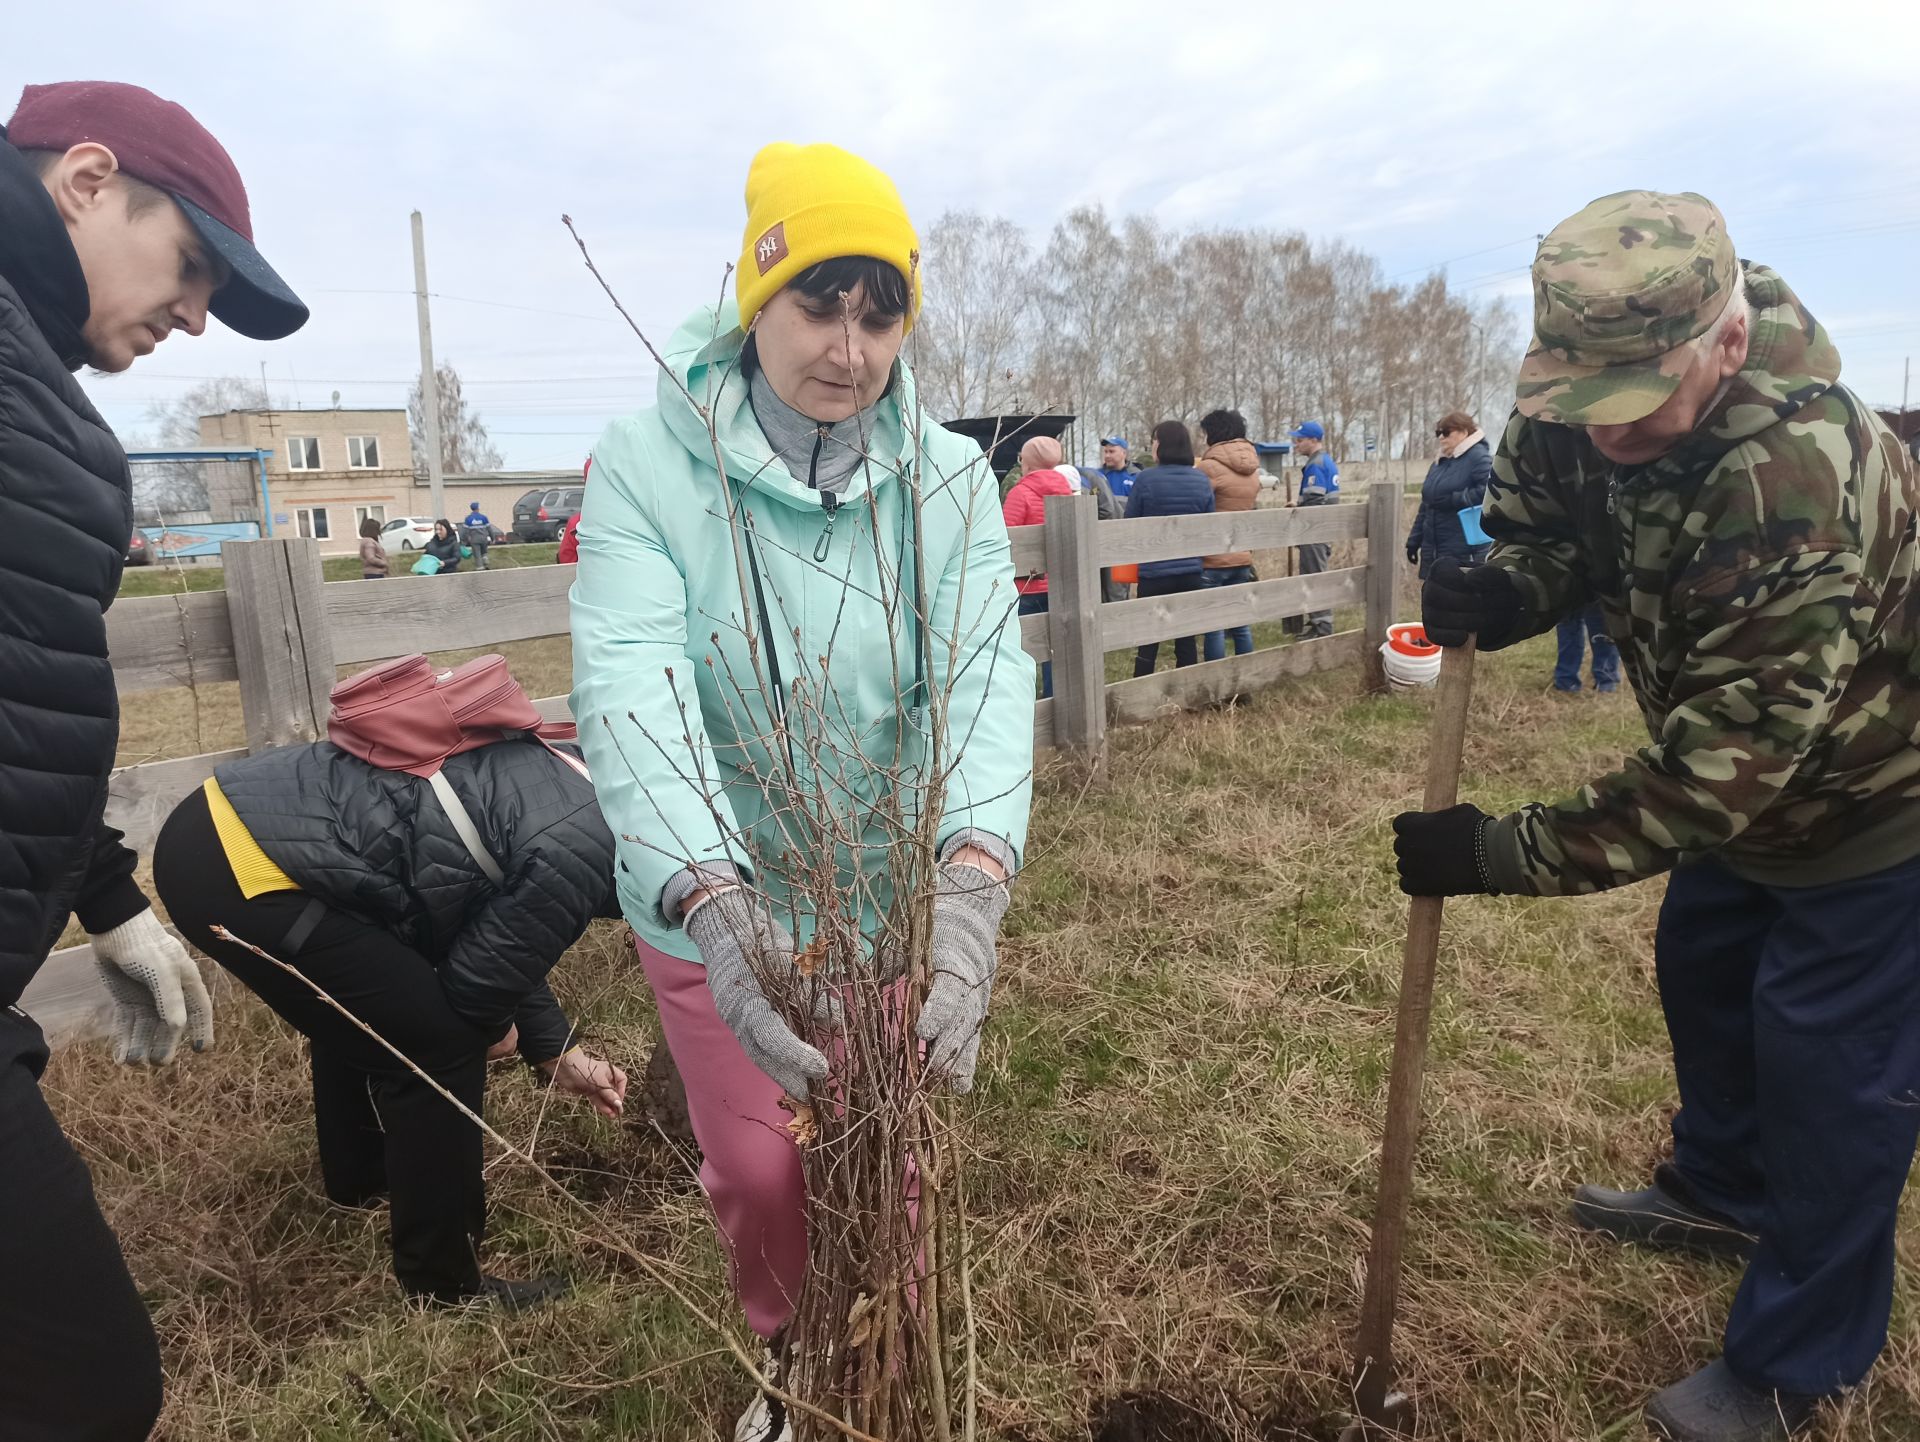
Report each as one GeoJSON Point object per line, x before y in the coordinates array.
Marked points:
{"type": "Point", "coordinates": [751, 1171]}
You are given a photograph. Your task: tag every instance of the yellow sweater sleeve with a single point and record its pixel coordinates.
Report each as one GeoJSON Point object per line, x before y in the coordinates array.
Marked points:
{"type": "Point", "coordinates": [252, 867]}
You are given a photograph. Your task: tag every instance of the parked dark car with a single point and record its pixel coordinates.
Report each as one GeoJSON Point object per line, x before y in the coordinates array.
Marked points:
{"type": "Point", "coordinates": [542, 515]}
{"type": "Point", "coordinates": [523, 511]}
{"type": "Point", "coordinates": [139, 553]}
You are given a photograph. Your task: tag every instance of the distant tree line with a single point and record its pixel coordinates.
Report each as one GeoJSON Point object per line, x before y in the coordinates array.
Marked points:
{"type": "Point", "coordinates": [1130, 325]}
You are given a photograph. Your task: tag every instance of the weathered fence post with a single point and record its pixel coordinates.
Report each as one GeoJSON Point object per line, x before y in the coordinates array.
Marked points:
{"type": "Point", "coordinates": [281, 644]}
{"type": "Point", "coordinates": [1383, 574]}
{"type": "Point", "coordinates": [1073, 628]}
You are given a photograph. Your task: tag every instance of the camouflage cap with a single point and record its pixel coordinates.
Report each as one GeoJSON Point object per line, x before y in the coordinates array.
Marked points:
{"type": "Point", "coordinates": [1618, 291]}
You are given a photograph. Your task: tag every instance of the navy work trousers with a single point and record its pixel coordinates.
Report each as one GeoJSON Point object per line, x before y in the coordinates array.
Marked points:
{"type": "Point", "coordinates": [1795, 1019]}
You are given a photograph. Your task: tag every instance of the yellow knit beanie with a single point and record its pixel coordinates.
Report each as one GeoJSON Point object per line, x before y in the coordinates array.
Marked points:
{"type": "Point", "coordinates": [809, 203]}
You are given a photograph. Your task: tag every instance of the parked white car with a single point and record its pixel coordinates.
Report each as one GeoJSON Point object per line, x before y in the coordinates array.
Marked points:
{"type": "Point", "coordinates": [407, 533]}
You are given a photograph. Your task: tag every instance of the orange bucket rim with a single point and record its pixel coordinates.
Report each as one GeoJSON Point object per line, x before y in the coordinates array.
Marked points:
{"type": "Point", "coordinates": [1409, 638]}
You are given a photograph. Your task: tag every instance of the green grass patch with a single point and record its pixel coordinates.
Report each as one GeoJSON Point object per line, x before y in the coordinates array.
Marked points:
{"type": "Point", "coordinates": [161, 578]}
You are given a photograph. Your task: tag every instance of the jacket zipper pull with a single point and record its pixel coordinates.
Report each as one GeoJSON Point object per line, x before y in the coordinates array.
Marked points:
{"type": "Point", "coordinates": [831, 504]}
{"type": "Point", "coordinates": [1613, 493]}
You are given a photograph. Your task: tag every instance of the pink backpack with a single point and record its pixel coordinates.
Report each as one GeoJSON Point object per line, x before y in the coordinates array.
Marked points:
{"type": "Point", "coordinates": [407, 715]}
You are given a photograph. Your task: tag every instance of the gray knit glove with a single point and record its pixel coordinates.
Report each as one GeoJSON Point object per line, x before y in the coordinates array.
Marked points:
{"type": "Point", "coordinates": [740, 942]}
{"type": "Point", "coordinates": [967, 907]}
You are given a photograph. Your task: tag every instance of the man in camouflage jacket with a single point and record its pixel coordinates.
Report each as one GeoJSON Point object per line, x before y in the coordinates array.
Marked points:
{"type": "Point", "coordinates": [1682, 452]}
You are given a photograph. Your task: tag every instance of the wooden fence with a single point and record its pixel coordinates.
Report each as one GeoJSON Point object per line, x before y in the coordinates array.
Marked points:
{"type": "Point", "coordinates": [282, 635]}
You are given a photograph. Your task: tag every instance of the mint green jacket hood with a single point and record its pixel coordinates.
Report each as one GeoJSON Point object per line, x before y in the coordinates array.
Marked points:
{"type": "Point", "coordinates": [675, 708]}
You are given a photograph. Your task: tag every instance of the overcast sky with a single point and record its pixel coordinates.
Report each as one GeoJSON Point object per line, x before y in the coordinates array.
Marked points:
{"type": "Point", "coordinates": [1430, 135]}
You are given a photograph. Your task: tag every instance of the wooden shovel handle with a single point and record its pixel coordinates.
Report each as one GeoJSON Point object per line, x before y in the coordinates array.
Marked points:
{"type": "Point", "coordinates": [1373, 1346]}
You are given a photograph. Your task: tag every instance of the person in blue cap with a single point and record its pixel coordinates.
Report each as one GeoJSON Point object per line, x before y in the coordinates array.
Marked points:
{"type": "Point", "coordinates": [476, 531]}
{"type": "Point", "coordinates": [1319, 485]}
{"type": "Point", "coordinates": [1113, 465]}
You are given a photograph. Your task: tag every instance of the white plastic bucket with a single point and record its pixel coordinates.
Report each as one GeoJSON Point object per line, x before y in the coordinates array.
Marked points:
{"type": "Point", "coordinates": [1411, 660]}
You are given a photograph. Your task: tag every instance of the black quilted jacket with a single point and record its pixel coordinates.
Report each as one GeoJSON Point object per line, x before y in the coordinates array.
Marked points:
{"type": "Point", "coordinates": [65, 517]}
{"type": "Point", "coordinates": [378, 845]}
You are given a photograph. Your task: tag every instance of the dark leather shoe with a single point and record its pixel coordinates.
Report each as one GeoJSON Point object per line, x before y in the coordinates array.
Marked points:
{"type": "Point", "coordinates": [1661, 1215]}
{"type": "Point", "coordinates": [1713, 1405]}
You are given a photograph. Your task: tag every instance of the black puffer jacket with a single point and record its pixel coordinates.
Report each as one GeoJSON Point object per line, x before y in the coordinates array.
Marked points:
{"type": "Point", "coordinates": [65, 515]}
{"type": "Point", "coordinates": [378, 845]}
{"type": "Point", "coordinates": [446, 551]}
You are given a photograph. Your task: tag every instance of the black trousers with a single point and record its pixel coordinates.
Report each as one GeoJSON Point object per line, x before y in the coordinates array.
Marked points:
{"type": "Point", "coordinates": [380, 1128]}
{"type": "Point", "coordinates": [1185, 648]}
{"type": "Point", "coordinates": [78, 1359]}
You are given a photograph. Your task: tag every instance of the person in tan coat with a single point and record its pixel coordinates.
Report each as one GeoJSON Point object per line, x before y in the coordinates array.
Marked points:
{"type": "Point", "coordinates": [373, 555]}
{"type": "Point", "coordinates": [1232, 466]}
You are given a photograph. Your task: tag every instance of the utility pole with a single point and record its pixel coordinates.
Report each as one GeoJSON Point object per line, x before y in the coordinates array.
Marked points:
{"type": "Point", "coordinates": [429, 380]}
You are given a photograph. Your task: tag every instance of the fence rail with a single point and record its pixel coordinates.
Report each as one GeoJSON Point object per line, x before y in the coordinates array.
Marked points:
{"type": "Point", "coordinates": [281, 634]}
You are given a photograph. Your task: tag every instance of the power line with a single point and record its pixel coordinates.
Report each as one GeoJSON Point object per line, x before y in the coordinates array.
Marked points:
{"type": "Point", "coordinates": [1826, 202]}
{"type": "Point", "coordinates": [1442, 264]}
{"type": "Point", "coordinates": [603, 377]}
{"type": "Point", "coordinates": [464, 300]}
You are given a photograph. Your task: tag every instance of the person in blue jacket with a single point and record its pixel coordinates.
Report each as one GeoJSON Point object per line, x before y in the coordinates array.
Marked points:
{"type": "Point", "coordinates": [1172, 486]}
{"type": "Point", "coordinates": [1448, 521]}
{"type": "Point", "coordinates": [1319, 486]}
{"type": "Point", "coordinates": [1115, 467]}
{"type": "Point", "coordinates": [477, 533]}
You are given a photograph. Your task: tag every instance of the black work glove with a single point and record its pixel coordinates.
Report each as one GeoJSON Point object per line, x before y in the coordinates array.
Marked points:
{"type": "Point", "coordinates": [1413, 554]}
{"type": "Point", "coordinates": [1483, 601]}
{"type": "Point", "coordinates": [1443, 853]}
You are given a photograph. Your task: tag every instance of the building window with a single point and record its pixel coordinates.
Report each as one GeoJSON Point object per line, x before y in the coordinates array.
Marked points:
{"type": "Point", "coordinates": [363, 453]}
{"type": "Point", "coordinates": [303, 453]}
{"type": "Point", "coordinates": [363, 514]}
{"type": "Point", "coordinates": [313, 522]}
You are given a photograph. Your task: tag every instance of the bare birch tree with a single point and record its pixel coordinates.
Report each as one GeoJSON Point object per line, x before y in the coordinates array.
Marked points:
{"type": "Point", "coordinates": [465, 446]}
{"type": "Point", "coordinates": [975, 333]}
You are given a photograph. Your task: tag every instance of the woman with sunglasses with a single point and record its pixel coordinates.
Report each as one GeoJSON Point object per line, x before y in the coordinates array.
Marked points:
{"type": "Point", "coordinates": [1448, 521]}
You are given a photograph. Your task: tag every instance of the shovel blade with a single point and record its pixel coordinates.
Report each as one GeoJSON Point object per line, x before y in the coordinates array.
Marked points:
{"type": "Point", "coordinates": [1396, 1416]}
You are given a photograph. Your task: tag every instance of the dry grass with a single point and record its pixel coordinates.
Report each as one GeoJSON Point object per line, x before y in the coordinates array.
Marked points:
{"type": "Point", "coordinates": [1175, 1128]}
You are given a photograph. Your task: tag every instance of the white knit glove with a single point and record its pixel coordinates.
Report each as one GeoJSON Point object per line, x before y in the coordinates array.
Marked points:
{"type": "Point", "coordinates": [157, 991]}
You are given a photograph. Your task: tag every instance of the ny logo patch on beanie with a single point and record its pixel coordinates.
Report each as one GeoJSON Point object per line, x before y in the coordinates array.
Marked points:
{"type": "Point", "coordinates": [770, 249]}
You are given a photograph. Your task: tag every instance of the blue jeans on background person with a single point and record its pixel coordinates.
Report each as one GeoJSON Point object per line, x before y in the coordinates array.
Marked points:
{"type": "Point", "coordinates": [1215, 644]}
{"type": "Point", "coordinates": [1574, 633]}
{"type": "Point", "coordinates": [1034, 603]}
{"type": "Point", "coordinates": [1794, 1013]}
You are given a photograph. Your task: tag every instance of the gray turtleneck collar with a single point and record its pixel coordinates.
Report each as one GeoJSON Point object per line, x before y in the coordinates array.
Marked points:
{"type": "Point", "coordinates": [794, 437]}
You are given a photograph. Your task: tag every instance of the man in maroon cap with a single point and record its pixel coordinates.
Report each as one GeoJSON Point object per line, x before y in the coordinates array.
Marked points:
{"type": "Point", "coordinates": [121, 221]}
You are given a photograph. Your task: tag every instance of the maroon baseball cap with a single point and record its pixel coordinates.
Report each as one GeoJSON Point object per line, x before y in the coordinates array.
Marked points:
{"type": "Point", "coordinates": [159, 142]}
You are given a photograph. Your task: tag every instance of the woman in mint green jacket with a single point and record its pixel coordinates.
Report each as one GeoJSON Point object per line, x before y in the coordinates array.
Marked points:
{"type": "Point", "coordinates": [770, 491]}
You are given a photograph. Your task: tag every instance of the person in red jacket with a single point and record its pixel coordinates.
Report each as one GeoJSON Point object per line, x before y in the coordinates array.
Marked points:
{"type": "Point", "coordinates": [1026, 505]}
{"type": "Point", "coordinates": [569, 552]}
